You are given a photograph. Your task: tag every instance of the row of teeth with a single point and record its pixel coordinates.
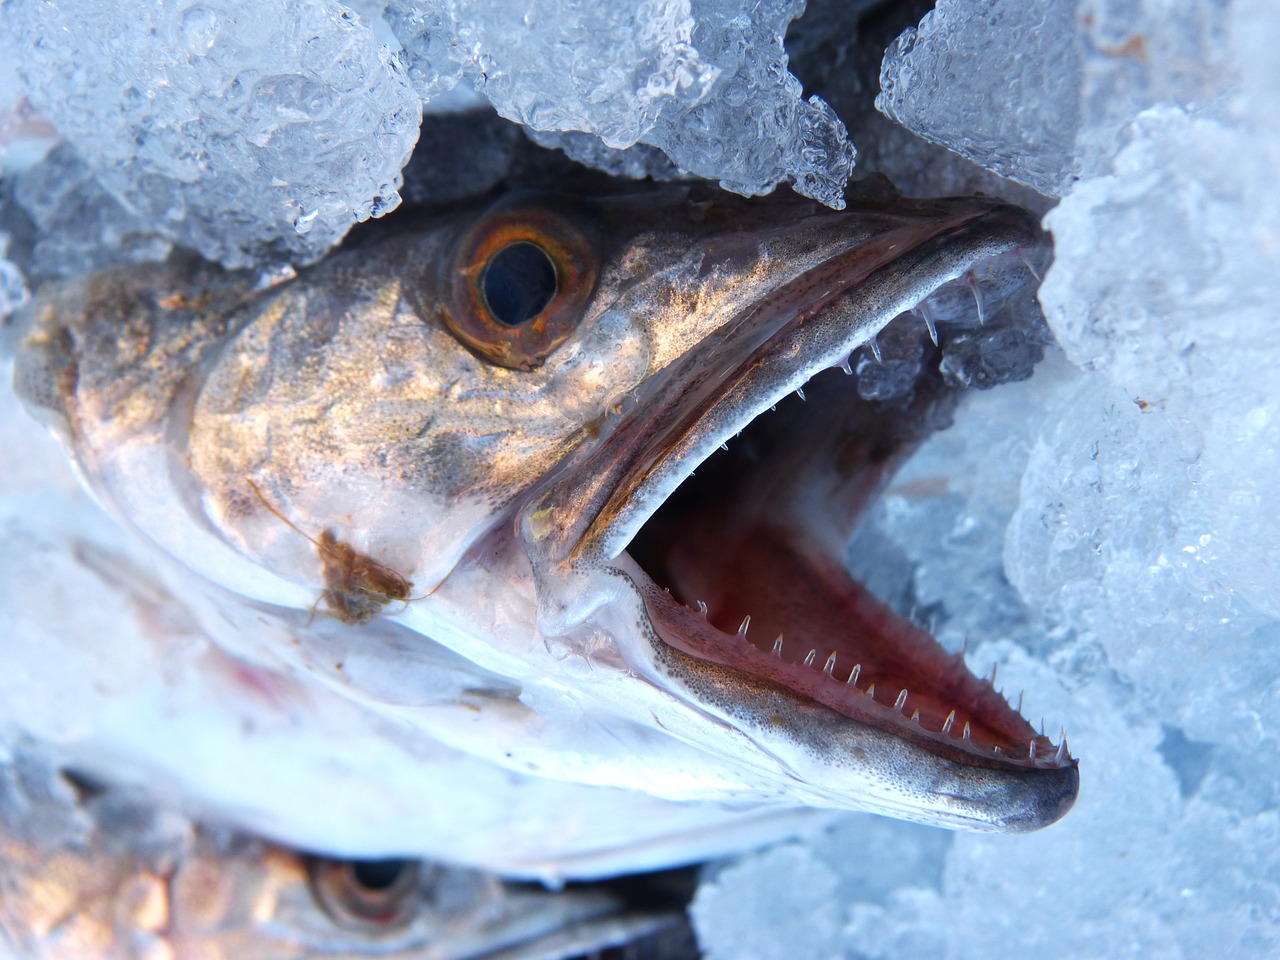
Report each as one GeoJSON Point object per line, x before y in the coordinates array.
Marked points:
{"type": "Point", "coordinates": [899, 706]}
{"type": "Point", "coordinates": [925, 310]}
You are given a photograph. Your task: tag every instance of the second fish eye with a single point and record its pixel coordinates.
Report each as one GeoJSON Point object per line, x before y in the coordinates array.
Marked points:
{"type": "Point", "coordinates": [367, 895]}
{"type": "Point", "coordinates": [518, 282]}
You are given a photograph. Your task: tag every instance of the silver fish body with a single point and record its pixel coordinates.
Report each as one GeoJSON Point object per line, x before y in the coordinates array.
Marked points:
{"type": "Point", "coordinates": [88, 873]}
{"type": "Point", "coordinates": [471, 443]}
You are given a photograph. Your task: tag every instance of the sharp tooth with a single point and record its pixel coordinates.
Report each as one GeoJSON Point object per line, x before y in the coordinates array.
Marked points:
{"type": "Point", "coordinates": [1020, 693]}
{"type": "Point", "coordinates": [702, 607]}
{"type": "Point", "coordinates": [725, 447]}
{"type": "Point", "coordinates": [946, 724]}
{"type": "Point", "coordinates": [800, 392]}
{"type": "Point", "coordinates": [926, 314]}
{"type": "Point", "coordinates": [844, 365]}
{"type": "Point", "coordinates": [1031, 752]}
{"type": "Point", "coordinates": [777, 647]}
{"type": "Point", "coordinates": [831, 664]}
{"type": "Point", "coordinates": [1062, 751]}
{"type": "Point", "coordinates": [871, 691]}
{"type": "Point", "coordinates": [1027, 261]}
{"type": "Point", "coordinates": [992, 679]}
{"type": "Point", "coordinates": [915, 717]}
{"type": "Point", "coordinates": [901, 701]}
{"type": "Point", "coordinates": [853, 677]}
{"type": "Point", "coordinates": [997, 751]}
{"type": "Point", "coordinates": [964, 734]}
{"type": "Point", "coordinates": [808, 660]}
{"type": "Point", "coordinates": [742, 627]}
{"type": "Point", "coordinates": [874, 346]}
{"type": "Point", "coordinates": [971, 282]}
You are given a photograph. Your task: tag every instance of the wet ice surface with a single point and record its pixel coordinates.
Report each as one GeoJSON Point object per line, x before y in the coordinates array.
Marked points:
{"type": "Point", "coordinates": [1104, 531]}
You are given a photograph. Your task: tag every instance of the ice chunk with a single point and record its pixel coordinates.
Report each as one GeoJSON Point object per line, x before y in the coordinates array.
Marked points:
{"type": "Point", "coordinates": [1041, 92]}
{"type": "Point", "coordinates": [777, 904]}
{"type": "Point", "coordinates": [997, 82]}
{"type": "Point", "coordinates": [1187, 326]}
{"type": "Point", "coordinates": [677, 76]}
{"type": "Point", "coordinates": [81, 226]}
{"type": "Point", "coordinates": [13, 286]}
{"type": "Point", "coordinates": [260, 131]}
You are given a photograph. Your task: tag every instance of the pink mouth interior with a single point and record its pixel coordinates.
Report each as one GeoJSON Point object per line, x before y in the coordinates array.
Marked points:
{"type": "Point", "coordinates": [755, 538]}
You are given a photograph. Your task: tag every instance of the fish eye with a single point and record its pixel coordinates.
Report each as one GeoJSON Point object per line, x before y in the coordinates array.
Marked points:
{"type": "Point", "coordinates": [518, 283]}
{"type": "Point", "coordinates": [521, 279]}
{"type": "Point", "coordinates": [365, 895]}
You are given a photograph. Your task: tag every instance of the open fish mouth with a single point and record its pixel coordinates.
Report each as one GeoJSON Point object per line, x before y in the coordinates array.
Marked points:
{"type": "Point", "coordinates": [741, 565]}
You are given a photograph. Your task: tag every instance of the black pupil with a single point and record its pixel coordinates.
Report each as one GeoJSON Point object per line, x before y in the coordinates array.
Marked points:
{"type": "Point", "coordinates": [518, 283]}
{"type": "Point", "coordinates": [377, 874]}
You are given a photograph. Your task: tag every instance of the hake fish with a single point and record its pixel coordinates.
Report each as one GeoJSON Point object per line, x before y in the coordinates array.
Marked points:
{"type": "Point", "coordinates": [92, 873]}
{"type": "Point", "coordinates": [479, 436]}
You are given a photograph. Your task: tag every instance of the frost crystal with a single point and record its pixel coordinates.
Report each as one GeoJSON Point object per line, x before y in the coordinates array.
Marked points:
{"type": "Point", "coordinates": [243, 131]}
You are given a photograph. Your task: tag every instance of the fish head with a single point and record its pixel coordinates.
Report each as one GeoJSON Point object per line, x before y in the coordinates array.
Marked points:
{"type": "Point", "coordinates": [487, 427]}
{"type": "Point", "coordinates": [90, 872]}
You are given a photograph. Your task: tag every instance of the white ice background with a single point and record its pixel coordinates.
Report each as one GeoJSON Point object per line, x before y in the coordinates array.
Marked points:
{"type": "Point", "coordinates": [1107, 532]}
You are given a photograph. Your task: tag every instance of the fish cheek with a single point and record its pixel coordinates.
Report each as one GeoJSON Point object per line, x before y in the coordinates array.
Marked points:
{"type": "Point", "coordinates": [519, 284]}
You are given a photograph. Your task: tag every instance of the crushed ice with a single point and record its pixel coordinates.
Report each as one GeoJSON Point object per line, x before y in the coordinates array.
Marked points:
{"type": "Point", "coordinates": [1105, 530]}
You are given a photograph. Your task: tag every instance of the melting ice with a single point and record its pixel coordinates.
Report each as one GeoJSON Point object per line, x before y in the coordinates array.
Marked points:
{"type": "Point", "coordinates": [1104, 531]}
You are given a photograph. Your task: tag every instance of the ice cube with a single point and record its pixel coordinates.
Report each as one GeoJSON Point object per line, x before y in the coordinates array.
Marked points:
{"type": "Point", "coordinates": [245, 132]}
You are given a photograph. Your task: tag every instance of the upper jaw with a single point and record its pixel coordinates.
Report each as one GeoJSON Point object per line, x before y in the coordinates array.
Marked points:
{"type": "Point", "coordinates": [764, 353]}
